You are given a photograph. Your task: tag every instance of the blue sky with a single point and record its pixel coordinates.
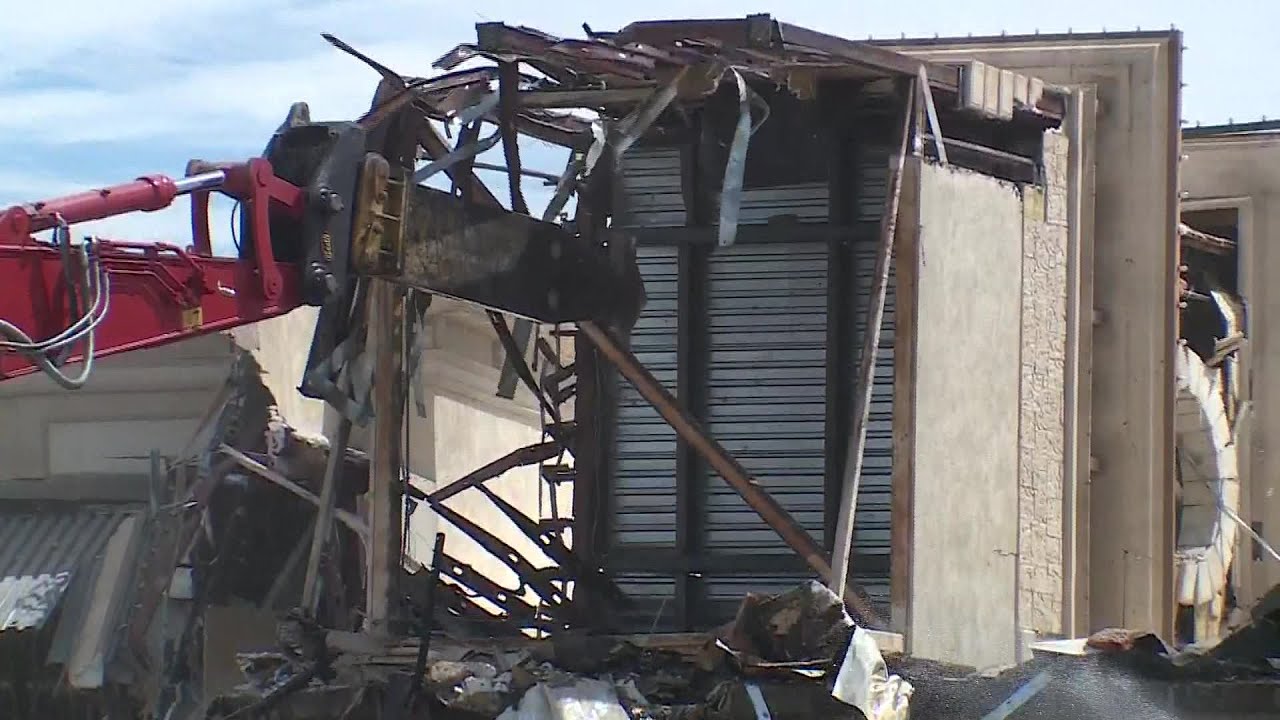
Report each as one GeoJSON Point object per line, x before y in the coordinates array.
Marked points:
{"type": "Point", "coordinates": [100, 92]}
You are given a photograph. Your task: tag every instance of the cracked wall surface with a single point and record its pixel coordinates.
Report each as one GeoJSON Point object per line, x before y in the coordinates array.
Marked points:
{"type": "Point", "coordinates": [1041, 449]}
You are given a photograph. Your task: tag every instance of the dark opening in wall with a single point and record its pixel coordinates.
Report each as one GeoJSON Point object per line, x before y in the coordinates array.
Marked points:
{"type": "Point", "coordinates": [1202, 323]}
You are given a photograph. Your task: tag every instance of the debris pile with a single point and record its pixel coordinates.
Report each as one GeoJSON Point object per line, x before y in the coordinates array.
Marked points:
{"type": "Point", "coordinates": [793, 655]}
{"type": "Point", "coordinates": [1117, 673]}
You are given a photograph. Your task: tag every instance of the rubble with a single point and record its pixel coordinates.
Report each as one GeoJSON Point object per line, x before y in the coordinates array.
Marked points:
{"type": "Point", "coordinates": [1116, 672]}
{"type": "Point", "coordinates": [793, 655]}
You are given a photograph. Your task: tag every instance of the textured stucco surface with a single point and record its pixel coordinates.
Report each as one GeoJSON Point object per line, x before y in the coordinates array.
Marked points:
{"type": "Point", "coordinates": [965, 528]}
{"type": "Point", "coordinates": [1041, 435]}
{"type": "Point", "coordinates": [172, 383]}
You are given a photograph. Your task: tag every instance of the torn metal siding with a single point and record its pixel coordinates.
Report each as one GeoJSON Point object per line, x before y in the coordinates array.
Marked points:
{"type": "Point", "coordinates": [41, 555]}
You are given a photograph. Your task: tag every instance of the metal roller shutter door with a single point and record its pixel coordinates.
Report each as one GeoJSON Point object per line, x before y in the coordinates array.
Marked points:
{"type": "Point", "coordinates": [872, 524]}
{"type": "Point", "coordinates": [766, 391]}
{"type": "Point", "coordinates": [765, 386]}
{"type": "Point", "coordinates": [644, 452]}
{"type": "Point", "coordinates": [644, 449]}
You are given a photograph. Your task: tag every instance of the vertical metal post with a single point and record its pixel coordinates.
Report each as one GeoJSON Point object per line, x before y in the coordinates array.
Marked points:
{"type": "Point", "coordinates": [156, 489]}
{"type": "Point", "coordinates": [867, 362]}
{"type": "Point", "coordinates": [324, 515]}
{"type": "Point", "coordinates": [385, 493]}
{"type": "Point", "coordinates": [428, 620]}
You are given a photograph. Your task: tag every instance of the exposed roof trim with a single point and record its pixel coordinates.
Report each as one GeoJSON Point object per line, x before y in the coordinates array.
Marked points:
{"type": "Point", "coordinates": [1032, 37]}
{"type": "Point", "coordinates": [1208, 131]}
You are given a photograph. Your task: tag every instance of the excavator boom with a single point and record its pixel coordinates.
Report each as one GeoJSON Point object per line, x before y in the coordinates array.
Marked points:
{"type": "Point", "coordinates": [319, 213]}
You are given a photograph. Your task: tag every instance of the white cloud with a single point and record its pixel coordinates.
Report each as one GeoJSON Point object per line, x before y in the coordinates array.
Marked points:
{"type": "Point", "coordinates": [210, 107]}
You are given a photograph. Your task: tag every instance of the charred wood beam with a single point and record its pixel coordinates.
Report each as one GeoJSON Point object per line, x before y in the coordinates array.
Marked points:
{"type": "Point", "coordinates": [385, 322]}
{"type": "Point", "coordinates": [762, 32]}
{"type": "Point", "coordinates": [530, 455]}
{"type": "Point", "coordinates": [550, 178]}
{"type": "Point", "coordinates": [465, 168]}
{"type": "Point", "coordinates": [517, 364]}
{"type": "Point", "coordinates": [1205, 242]}
{"type": "Point", "coordinates": [508, 91]}
{"type": "Point", "coordinates": [563, 132]}
{"type": "Point", "coordinates": [582, 98]}
{"type": "Point", "coordinates": [472, 187]}
{"type": "Point", "coordinates": [529, 575]}
{"type": "Point", "coordinates": [347, 518]}
{"type": "Point", "coordinates": [942, 77]}
{"type": "Point", "coordinates": [508, 600]}
{"type": "Point", "coordinates": [988, 160]}
{"type": "Point", "coordinates": [324, 518]}
{"type": "Point", "coordinates": [514, 366]}
{"type": "Point", "coordinates": [856, 444]}
{"type": "Point", "coordinates": [723, 463]}
{"type": "Point", "coordinates": [288, 569]}
{"type": "Point", "coordinates": [507, 262]}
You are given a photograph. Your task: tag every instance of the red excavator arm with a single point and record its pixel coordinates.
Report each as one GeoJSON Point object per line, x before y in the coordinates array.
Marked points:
{"type": "Point", "coordinates": [63, 302]}
{"type": "Point", "coordinates": [319, 212]}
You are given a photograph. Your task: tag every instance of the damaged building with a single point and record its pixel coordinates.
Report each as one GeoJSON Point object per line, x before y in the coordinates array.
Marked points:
{"type": "Point", "coordinates": [954, 326]}
{"type": "Point", "coordinates": [1226, 559]}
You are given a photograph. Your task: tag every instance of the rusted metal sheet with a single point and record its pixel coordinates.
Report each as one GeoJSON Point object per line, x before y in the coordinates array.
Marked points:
{"type": "Point", "coordinates": [614, 69]}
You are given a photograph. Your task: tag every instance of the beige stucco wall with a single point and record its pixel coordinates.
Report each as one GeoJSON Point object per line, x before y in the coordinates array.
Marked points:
{"type": "Point", "coordinates": [464, 426]}
{"type": "Point", "coordinates": [991, 279]}
{"type": "Point", "coordinates": [165, 390]}
{"type": "Point", "coordinates": [280, 346]}
{"type": "Point", "coordinates": [1243, 171]}
{"type": "Point", "coordinates": [1124, 577]}
{"type": "Point", "coordinates": [968, 307]}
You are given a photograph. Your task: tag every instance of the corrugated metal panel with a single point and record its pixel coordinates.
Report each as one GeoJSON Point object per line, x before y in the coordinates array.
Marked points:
{"type": "Point", "coordinates": [872, 524]}
{"type": "Point", "coordinates": [766, 385]}
{"type": "Point", "coordinates": [645, 445]}
{"type": "Point", "coordinates": [41, 554]}
{"type": "Point", "coordinates": [650, 179]}
{"type": "Point", "coordinates": [766, 390]}
{"type": "Point", "coordinates": [807, 203]}
{"type": "Point", "coordinates": [651, 190]}
{"type": "Point", "coordinates": [653, 602]}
